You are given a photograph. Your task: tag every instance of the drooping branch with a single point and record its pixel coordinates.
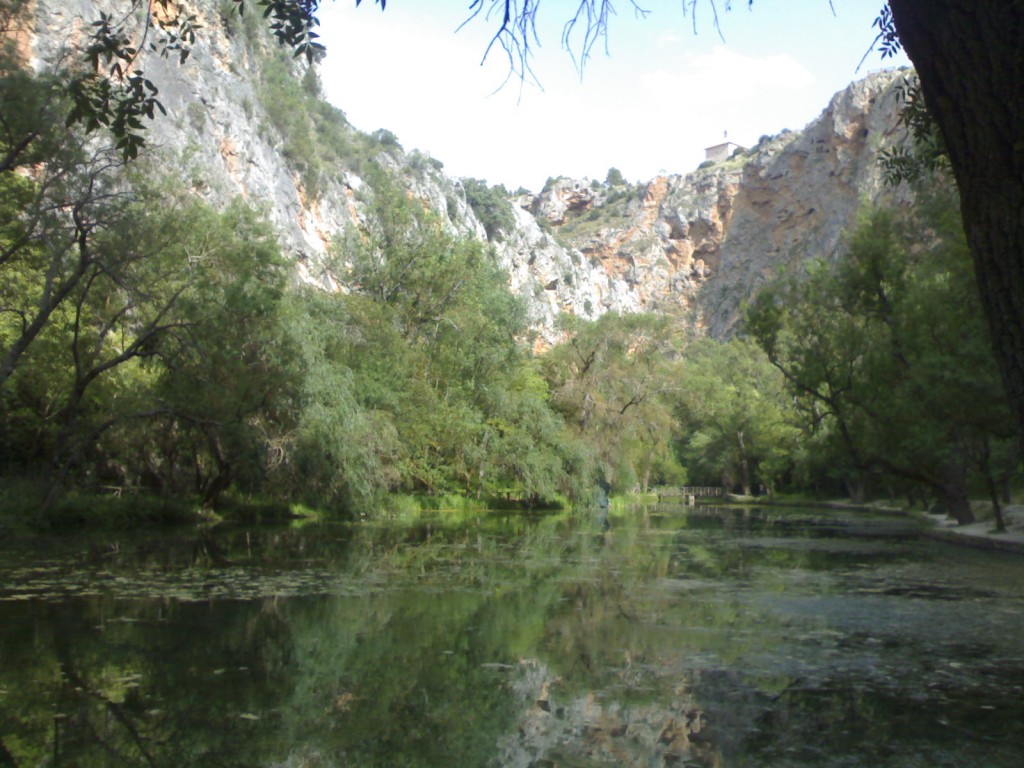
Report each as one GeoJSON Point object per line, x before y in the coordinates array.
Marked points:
{"type": "Point", "coordinates": [516, 28]}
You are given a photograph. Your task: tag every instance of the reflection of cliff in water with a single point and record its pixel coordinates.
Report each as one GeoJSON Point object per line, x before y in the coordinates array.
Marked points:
{"type": "Point", "coordinates": [592, 729]}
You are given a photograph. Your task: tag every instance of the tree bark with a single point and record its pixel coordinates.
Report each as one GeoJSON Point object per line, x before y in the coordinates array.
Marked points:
{"type": "Point", "coordinates": [222, 480]}
{"type": "Point", "coordinates": [970, 61]}
{"type": "Point", "coordinates": [957, 505]}
{"type": "Point", "coordinates": [855, 488]}
{"type": "Point", "coordinates": [985, 465]}
{"type": "Point", "coordinates": [744, 463]}
{"type": "Point", "coordinates": [952, 489]}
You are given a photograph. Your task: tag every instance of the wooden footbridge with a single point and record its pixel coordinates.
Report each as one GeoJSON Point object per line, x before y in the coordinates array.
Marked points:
{"type": "Point", "coordinates": [688, 493]}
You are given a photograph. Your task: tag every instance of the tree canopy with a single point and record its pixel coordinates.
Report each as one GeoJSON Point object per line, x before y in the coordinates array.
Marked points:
{"type": "Point", "coordinates": [119, 293]}
{"type": "Point", "coordinates": [883, 348]}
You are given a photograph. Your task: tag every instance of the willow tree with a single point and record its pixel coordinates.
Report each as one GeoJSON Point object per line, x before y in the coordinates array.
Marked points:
{"type": "Point", "coordinates": [883, 348]}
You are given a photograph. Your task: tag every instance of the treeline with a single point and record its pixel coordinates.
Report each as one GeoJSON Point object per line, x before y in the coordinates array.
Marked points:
{"type": "Point", "coordinates": [151, 345]}
{"type": "Point", "coordinates": [870, 375]}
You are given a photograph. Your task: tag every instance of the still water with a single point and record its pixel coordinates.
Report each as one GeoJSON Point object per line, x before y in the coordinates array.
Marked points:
{"type": "Point", "coordinates": [715, 637]}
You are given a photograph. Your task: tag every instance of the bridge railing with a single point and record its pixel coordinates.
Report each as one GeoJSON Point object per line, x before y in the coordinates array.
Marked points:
{"type": "Point", "coordinates": [689, 493]}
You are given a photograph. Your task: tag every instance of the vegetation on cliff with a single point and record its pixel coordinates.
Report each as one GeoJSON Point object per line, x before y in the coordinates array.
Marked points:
{"type": "Point", "coordinates": [152, 344]}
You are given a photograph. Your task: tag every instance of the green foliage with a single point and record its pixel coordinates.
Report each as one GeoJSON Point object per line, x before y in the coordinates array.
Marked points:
{"type": "Point", "coordinates": [612, 381]}
{"type": "Point", "coordinates": [318, 140]}
{"type": "Point", "coordinates": [223, 370]}
{"type": "Point", "coordinates": [236, 22]}
{"type": "Point", "coordinates": [427, 355]}
{"type": "Point", "coordinates": [884, 347]}
{"type": "Point", "coordinates": [339, 452]}
{"type": "Point", "coordinates": [151, 344]}
{"type": "Point", "coordinates": [288, 109]}
{"type": "Point", "coordinates": [926, 153]}
{"type": "Point", "coordinates": [611, 213]}
{"type": "Point", "coordinates": [738, 426]}
{"type": "Point", "coordinates": [142, 361]}
{"type": "Point", "coordinates": [614, 177]}
{"type": "Point", "coordinates": [491, 206]}
{"type": "Point", "coordinates": [420, 162]}
{"type": "Point", "coordinates": [386, 138]}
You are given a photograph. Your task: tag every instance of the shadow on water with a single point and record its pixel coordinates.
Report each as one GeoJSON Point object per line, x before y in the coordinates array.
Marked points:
{"type": "Point", "coordinates": [668, 636]}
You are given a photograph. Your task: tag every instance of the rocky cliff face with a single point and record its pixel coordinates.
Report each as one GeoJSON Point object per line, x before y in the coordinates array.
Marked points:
{"type": "Point", "coordinates": [693, 245]}
{"type": "Point", "coordinates": [698, 244]}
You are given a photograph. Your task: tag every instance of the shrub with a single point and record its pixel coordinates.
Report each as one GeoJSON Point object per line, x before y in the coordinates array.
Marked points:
{"type": "Point", "coordinates": [385, 138]}
{"type": "Point", "coordinates": [491, 206]}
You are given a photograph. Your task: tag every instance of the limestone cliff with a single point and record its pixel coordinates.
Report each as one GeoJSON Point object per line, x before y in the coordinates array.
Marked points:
{"type": "Point", "coordinates": [694, 244]}
{"type": "Point", "coordinates": [698, 244]}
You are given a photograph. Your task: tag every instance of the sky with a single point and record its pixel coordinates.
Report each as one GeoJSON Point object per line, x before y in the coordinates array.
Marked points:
{"type": "Point", "coordinates": [649, 105]}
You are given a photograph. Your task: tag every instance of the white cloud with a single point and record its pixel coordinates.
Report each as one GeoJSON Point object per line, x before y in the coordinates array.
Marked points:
{"type": "Point", "coordinates": [661, 98]}
{"type": "Point", "coordinates": [726, 73]}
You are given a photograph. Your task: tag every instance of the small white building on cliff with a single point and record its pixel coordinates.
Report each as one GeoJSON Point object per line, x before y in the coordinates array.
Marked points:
{"type": "Point", "coordinates": [722, 151]}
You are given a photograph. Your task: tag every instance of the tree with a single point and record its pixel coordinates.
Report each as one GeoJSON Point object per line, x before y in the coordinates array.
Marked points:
{"type": "Point", "coordinates": [337, 449]}
{"type": "Point", "coordinates": [222, 374]}
{"type": "Point", "coordinates": [159, 369]}
{"type": "Point", "coordinates": [491, 206]}
{"type": "Point", "coordinates": [885, 347]}
{"type": "Point", "coordinates": [967, 56]}
{"type": "Point", "coordinates": [737, 426]}
{"type": "Point", "coordinates": [614, 178]}
{"type": "Point", "coordinates": [434, 344]}
{"type": "Point", "coordinates": [611, 380]}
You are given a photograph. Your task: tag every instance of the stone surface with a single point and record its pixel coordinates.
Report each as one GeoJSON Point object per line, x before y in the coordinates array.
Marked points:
{"type": "Point", "coordinates": [695, 245]}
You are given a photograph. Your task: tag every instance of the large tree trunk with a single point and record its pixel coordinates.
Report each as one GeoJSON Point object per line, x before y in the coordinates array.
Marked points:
{"type": "Point", "coordinates": [970, 61]}
{"type": "Point", "coordinates": [951, 488]}
{"type": "Point", "coordinates": [855, 487]}
{"type": "Point", "coordinates": [744, 464]}
{"type": "Point", "coordinates": [953, 499]}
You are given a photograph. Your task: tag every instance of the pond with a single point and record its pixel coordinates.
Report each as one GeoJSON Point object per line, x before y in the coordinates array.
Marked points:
{"type": "Point", "coordinates": [707, 637]}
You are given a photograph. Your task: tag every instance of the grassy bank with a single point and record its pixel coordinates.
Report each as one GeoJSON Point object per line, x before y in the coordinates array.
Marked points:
{"type": "Point", "coordinates": [21, 501]}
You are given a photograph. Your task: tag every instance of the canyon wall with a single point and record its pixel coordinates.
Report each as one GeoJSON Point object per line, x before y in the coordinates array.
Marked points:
{"type": "Point", "coordinates": [694, 245]}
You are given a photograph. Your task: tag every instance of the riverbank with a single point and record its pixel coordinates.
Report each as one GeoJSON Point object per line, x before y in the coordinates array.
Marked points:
{"type": "Point", "coordinates": [981, 534]}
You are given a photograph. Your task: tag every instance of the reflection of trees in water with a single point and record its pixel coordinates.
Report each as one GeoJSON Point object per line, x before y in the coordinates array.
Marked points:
{"type": "Point", "coordinates": [558, 727]}
{"type": "Point", "coordinates": [145, 684]}
{"type": "Point", "coordinates": [398, 668]}
{"type": "Point", "coordinates": [90, 715]}
{"type": "Point", "coordinates": [715, 638]}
